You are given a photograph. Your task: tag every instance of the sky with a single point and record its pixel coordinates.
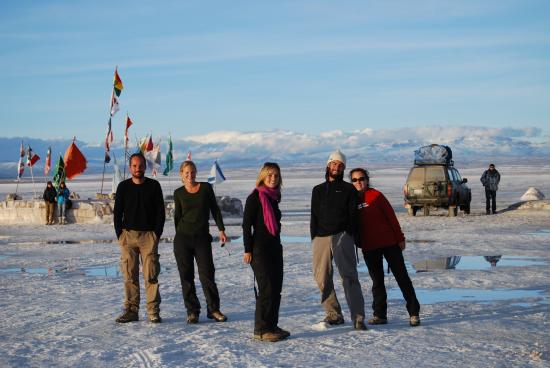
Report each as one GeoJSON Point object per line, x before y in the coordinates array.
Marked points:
{"type": "Point", "coordinates": [191, 68]}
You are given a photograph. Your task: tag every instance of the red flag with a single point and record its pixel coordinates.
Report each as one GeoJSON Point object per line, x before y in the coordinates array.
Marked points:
{"type": "Point", "coordinates": [128, 125]}
{"type": "Point", "coordinates": [32, 157]}
{"type": "Point", "coordinates": [75, 162]}
{"type": "Point", "coordinates": [48, 163]}
{"type": "Point", "coordinates": [150, 144]}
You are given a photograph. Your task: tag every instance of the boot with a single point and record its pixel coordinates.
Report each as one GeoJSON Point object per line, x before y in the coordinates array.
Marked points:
{"type": "Point", "coordinates": [217, 316]}
{"type": "Point", "coordinates": [60, 221]}
{"type": "Point", "coordinates": [128, 316]}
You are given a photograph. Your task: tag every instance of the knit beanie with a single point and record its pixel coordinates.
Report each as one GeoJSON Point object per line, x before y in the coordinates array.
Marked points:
{"type": "Point", "coordinates": [337, 156]}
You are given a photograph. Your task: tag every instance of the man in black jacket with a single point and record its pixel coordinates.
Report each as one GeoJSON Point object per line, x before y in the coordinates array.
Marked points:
{"type": "Point", "coordinates": [333, 227]}
{"type": "Point", "coordinates": [139, 217]}
{"type": "Point", "coordinates": [50, 197]}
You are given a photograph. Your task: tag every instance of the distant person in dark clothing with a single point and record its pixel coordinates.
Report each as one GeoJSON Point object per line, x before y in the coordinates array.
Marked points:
{"type": "Point", "coordinates": [490, 180]}
{"type": "Point", "coordinates": [194, 202]}
{"type": "Point", "coordinates": [381, 237]}
{"type": "Point", "coordinates": [139, 217]}
{"type": "Point", "coordinates": [333, 226]}
{"type": "Point", "coordinates": [263, 250]}
{"type": "Point", "coordinates": [49, 197]}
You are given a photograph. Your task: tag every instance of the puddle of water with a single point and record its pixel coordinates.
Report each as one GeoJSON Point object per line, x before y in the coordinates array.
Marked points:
{"type": "Point", "coordinates": [106, 271]}
{"type": "Point", "coordinates": [430, 296]}
{"type": "Point", "coordinates": [284, 239]}
{"type": "Point", "coordinates": [543, 232]}
{"type": "Point", "coordinates": [476, 263]}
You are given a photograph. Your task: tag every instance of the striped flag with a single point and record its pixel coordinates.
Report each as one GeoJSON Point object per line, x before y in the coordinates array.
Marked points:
{"type": "Point", "coordinates": [114, 103]}
{"type": "Point", "coordinates": [117, 84]}
{"type": "Point", "coordinates": [31, 157]}
{"type": "Point", "coordinates": [216, 175]}
{"type": "Point", "coordinates": [21, 165]}
{"type": "Point", "coordinates": [48, 163]}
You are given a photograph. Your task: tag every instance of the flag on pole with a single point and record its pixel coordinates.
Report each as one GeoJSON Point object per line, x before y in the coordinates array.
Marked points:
{"type": "Point", "coordinates": [48, 163]}
{"type": "Point", "coordinates": [75, 162]}
{"type": "Point", "coordinates": [31, 157]}
{"type": "Point", "coordinates": [21, 166]}
{"type": "Point", "coordinates": [128, 125]}
{"type": "Point", "coordinates": [188, 156]}
{"type": "Point", "coordinates": [117, 84]}
{"type": "Point", "coordinates": [114, 103]}
{"type": "Point", "coordinates": [169, 159]}
{"type": "Point", "coordinates": [59, 172]}
{"type": "Point", "coordinates": [216, 175]}
{"type": "Point", "coordinates": [108, 140]}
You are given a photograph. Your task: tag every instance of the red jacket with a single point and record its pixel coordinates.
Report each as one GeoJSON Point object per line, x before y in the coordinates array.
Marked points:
{"type": "Point", "coordinates": [378, 225]}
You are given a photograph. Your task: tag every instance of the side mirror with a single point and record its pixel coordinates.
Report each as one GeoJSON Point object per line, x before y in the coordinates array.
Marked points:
{"type": "Point", "coordinates": [464, 180]}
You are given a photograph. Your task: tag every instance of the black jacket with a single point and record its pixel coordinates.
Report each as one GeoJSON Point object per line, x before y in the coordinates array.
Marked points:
{"type": "Point", "coordinates": [139, 207]}
{"type": "Point", "coordinates": [254, 230]}
{"type": "Point", "coordinates": [50, 194]}
{"type": "Point", "coordinates": [333, 209]}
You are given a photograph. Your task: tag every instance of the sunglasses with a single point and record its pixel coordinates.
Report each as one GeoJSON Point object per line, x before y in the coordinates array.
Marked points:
{"type": "Point", "coordinates": [362, 178]}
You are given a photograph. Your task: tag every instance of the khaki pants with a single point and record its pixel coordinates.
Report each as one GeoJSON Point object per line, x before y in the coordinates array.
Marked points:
{"type": "Point", "coordinates": [50, 209]}
{"type": "Point", "coordinates": [341, 248]}
{"type": "Point", "coordinates": [134, 244]}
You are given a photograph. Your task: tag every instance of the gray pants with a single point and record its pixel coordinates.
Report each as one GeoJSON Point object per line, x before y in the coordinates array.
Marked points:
{"type": "Point", "coordinates": [342, 249]}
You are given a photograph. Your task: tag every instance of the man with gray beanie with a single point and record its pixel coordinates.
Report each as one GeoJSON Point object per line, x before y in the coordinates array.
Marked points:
{"type": "Point", "coordinates": [333, 226]}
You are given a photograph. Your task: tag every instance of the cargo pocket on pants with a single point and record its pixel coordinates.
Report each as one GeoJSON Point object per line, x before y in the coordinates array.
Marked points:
{"type": "Point", "coordinates": [154, 268]}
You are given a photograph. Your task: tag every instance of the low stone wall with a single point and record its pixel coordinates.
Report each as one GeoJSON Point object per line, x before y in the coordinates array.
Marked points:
{"type": "Point", "coordinates": [89, 211]}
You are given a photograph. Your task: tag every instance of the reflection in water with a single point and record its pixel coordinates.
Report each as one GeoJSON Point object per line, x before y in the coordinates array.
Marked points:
{"type": "Point", "coordinates": [476, 263]}
{"type": "Point", "coordinates": [107, 271]}
{"type": "Point", "coordinates": [430, 296]}
{"type": "Point", "coordinates": [443, 263]}
{"type": "Point", "coordinates": [493, 260]}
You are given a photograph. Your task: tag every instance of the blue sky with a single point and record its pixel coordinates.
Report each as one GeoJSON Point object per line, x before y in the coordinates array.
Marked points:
{"type": "Point", "coordinates": [195, 67]}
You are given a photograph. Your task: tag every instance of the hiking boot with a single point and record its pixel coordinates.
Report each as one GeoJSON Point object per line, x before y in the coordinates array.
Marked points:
{"type": "Point", "coordinates": [377, 321]}
{"type": "Point", "coordinates": [359, 324]}
{"type": "Point", "coordinates": [334, 320]}
{"type": "Point", "coordinates": [128, 316]}
{"type": "Point", "coordinates": [192, 318]}
{"type": "Point", "coordinates": [271, 336]}
{"type": "Point", "coordinates": [284, 333]}
{"type": "Point", "coordinates": [217, 316]}
{"type": "Point", "coordinates": [414, 321]}
{"type": "Point", "coordinates": [155, 318]}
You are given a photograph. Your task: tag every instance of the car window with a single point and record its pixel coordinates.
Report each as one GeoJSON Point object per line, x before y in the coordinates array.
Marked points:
{"type": "Point", "coordinates": [435, 173]}
{"type": "Point", "coordinates": [457, 175]}
{"type": "Point", "coordinates": [451, 174]}
{"type": "Point", "coordinates": [416, 176]}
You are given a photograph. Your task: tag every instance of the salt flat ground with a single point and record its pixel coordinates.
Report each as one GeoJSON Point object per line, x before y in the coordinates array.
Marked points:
{"type": "Point", "coordinates": [60, 297]}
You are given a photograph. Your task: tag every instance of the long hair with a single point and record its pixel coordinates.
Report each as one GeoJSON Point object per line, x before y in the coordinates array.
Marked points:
{"type": "Point", "coordinates": [264, 172]}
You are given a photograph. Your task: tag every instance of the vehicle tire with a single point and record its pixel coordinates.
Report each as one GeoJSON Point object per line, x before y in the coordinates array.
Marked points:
{"type": "Point", "coordinates": [426, 210]}
{"type": "Point", "coordinates": [453, 211]}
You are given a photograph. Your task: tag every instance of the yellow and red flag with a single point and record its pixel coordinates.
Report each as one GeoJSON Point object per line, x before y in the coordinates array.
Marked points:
{"type": "Point", "coordinates": [117, 84]}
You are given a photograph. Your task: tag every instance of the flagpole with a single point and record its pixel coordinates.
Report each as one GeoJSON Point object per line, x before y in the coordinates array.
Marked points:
{"type": "Point", "coordinates": [33, 186]}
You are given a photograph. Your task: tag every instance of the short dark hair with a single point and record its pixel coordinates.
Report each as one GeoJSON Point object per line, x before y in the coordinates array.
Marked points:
{"type": "Point", "coordinates": [140, 155]}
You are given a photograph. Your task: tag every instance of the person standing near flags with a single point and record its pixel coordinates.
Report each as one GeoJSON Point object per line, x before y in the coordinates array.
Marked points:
{"type": "Point", "coordinates": [49, 197]}
{"type": "Point", "coordinates": [139, 217]}
{"type": "Point", "coordinates": [194, 201]}
{"type": "Point", "coordinates": [263, 250]}
{"type": "Point", "coordinates": [62, 197]}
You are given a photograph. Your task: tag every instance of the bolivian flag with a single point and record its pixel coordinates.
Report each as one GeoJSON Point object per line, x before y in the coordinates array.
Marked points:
{"type": "Point", "coordinates": [117, 84]}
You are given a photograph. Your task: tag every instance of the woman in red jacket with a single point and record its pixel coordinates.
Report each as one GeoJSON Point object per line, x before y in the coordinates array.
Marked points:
{"type": "Point", "coordinates": [381, 236]}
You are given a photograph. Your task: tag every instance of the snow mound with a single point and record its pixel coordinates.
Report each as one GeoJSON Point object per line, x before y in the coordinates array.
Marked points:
{"type": "Point", "coordinates": [532, 194]}
{"type": "Point", "coordinates": [321, 326]}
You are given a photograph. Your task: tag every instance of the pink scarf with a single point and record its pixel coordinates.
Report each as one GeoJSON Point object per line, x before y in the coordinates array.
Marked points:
{"type": "Point", "coordinates": [265, 194]}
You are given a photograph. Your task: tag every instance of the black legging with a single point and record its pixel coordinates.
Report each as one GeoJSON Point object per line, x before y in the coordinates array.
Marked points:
{"type": "Point", "coordinates": [394, 257]}
{"type": "Point", "coordinates": [267, 264]}
{"type": "Point", "coordinates": [199, 248]}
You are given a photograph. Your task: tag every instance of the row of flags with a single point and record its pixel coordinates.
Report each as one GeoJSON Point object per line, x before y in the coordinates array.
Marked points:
{"type": "Point", "coordinates": [32, 158]}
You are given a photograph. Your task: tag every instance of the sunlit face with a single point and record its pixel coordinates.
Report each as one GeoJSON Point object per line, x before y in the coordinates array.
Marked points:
{"type": "Point", "coordinates": [359, 181]}
{"type": "Point", "coordinates": [188, 175]}
{"type": "Point", "coordinates": [336, 168]}
{"type": "Point", "coordinates": [137, 167]}
{"type": "Point", "coordinates": [272, 179]}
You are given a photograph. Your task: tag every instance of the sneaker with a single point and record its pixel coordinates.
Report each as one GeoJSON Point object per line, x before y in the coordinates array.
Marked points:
{"type": "Point", "coordinates": [155, 318]}
{"type": "Point", "coordinates": [359, 324]}
{"type": "Point", "coordinates": [414, 321]}
{"type": "Point", "coordinates": [334, 320]}
{"type": "Point", "coordinates": [271, 336]}
{"type": "Point", "coordinates": [377, 321]}
{"type": "Point", "coordinates": [217, 316]}
{"type": "Point", "coordinates": [128, 316]}
{"type": "Point", "coordinates": [192, 318]}
{"type": "Point", "coordinates": [284, 333]}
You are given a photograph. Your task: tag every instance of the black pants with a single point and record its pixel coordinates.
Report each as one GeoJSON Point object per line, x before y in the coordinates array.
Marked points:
{"type": "Point", "coordinates": [199, 248]}
{"type": "Point", "coordinates": [267, 264]}
{"type": "Point", "coordinates": [394, 257]}
{"type": "Point", "coordinates": [490, 196]}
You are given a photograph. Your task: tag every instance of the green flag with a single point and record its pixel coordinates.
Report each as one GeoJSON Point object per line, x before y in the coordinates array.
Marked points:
{"type": "Point", "coordinates": [169, 159]}
{"type": "Point", "coordinates": [59, 172]}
